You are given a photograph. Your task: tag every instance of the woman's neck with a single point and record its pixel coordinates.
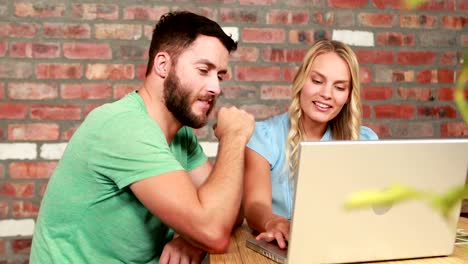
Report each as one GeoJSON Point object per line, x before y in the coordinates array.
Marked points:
{"type": "Point", "coordinates": [313, 131]}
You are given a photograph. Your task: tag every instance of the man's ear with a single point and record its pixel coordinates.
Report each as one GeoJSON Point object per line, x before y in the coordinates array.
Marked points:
{"type": "Point", "coordinates": [162, 64]}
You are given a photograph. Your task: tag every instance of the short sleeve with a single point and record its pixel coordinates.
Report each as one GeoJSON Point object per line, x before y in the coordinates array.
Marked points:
{"type": "Point", "coordinates": [130, 148]}
{"type": "Point", "coordinates": [261, 142]}
{"type": "Point", "coordinates": [368, 134]}
{"type": "Point", "coordinates": [187, 149]}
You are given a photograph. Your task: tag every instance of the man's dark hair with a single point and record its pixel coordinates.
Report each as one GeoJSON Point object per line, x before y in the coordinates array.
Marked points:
{"type": "Point", "coordinates": [176, 31]}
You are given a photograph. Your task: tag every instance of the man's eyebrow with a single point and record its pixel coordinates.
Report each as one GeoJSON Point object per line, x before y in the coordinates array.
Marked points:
{"type": "Point", "coordinates": [323, 76]}
{"type": "Point", "coordinates": [211, 65]}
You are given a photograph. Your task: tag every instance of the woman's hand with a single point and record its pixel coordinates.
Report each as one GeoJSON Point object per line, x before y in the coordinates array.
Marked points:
{"type": "Point", "coordinates": [180, 251]}
{"type": "Point", "coordinates": [276, 228]}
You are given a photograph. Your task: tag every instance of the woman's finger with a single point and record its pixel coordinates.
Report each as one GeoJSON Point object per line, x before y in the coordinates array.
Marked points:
{"type": "Point", "coordinates": [266, 236]}
{"type": "Point", "coordinates": [286, 235]}
{"type": "Point", "coordinates": [280, 239]}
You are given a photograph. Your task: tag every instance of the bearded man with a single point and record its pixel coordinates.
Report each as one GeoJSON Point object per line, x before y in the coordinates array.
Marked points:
{"type": "Point", "coordinates": [134, 171]}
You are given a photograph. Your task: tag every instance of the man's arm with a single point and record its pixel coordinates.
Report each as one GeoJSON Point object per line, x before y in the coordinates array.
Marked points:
{"type": "Point", "coordinates": [204, 216]}
{"type": "Point", "coordinates": [179, 248]}
{"type": "Point", "coordinates": [200, 175]}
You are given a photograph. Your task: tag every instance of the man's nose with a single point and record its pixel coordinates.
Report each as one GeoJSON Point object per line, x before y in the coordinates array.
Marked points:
{"type": "Point", "coordinates": [214, 86]}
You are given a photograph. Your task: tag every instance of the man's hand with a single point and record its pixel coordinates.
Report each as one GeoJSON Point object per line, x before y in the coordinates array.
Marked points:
{"type": "Point", "coordinates": [232, 121]}
{"type": "Point", "coordinates": [179, 251]}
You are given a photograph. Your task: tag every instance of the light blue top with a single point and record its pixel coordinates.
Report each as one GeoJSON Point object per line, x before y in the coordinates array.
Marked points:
{"type": "Point", "coordinates": [269, 140]}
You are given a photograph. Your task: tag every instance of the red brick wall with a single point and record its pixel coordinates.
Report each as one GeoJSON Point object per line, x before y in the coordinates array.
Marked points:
{"type": "Point", "coordinates": [60, 60]}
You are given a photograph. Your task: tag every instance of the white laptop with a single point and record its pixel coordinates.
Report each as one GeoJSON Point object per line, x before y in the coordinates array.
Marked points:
{"type": "Point", "coordinates": [323, 231]}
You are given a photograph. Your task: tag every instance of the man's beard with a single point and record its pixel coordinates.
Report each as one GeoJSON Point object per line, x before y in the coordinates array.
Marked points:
{"type": "Point", "coordinates": [178, 101]}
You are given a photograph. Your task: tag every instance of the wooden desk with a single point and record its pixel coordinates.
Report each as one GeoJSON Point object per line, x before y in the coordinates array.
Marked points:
{"type": "Point", "coordinates": [238, 253]}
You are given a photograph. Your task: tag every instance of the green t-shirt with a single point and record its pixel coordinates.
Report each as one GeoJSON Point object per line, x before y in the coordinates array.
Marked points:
{"type": "Point", "coordinates": [89, 214]}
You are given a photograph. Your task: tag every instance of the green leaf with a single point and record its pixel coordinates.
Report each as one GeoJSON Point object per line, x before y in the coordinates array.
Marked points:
{"type": "Point", "coordinates": [411, 4]}
{"type": "Point", "coordinates": [445, 202]}
{"type": "Point", "coordinates": [394, 194]}
{"type": "Point", "coordinates": [459, 94]}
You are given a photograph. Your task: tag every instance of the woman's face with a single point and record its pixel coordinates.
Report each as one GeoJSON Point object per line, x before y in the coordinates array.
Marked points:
{"type": "Point", "coordinates": [326, 89]}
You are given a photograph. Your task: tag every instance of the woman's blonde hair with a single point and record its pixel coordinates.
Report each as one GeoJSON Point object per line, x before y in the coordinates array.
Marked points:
{"type": "Point", "coordinates": [346, 125]}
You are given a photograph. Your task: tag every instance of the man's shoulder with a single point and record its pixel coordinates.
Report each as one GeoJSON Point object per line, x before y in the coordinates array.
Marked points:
{"type": "Point", "coordinates": [127, 104]}
{"type": "Point", "coordinates": [120, 120]}
{"type": "Point", "coordinates": [124, 112]}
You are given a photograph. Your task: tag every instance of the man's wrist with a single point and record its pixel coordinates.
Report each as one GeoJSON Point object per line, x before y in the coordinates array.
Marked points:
{"type": "Point", "coordinates": [237, 140]}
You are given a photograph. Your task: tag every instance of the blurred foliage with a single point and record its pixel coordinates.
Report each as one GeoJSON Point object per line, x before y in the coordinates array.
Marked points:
{"type": "Point", "coordinates": [443, 203]}
{"type": "Point", "coordinates": [459, 95]}
{"type": "Point", "coordinates": [412, 4]}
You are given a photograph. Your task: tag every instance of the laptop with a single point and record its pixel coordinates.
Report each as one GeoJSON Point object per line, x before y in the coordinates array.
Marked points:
{"type": "Point", "coordinates": [323, 231]}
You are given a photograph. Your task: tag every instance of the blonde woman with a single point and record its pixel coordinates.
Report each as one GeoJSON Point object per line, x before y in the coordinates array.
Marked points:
{"type": "Point", "coordinates": [325, 106]}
